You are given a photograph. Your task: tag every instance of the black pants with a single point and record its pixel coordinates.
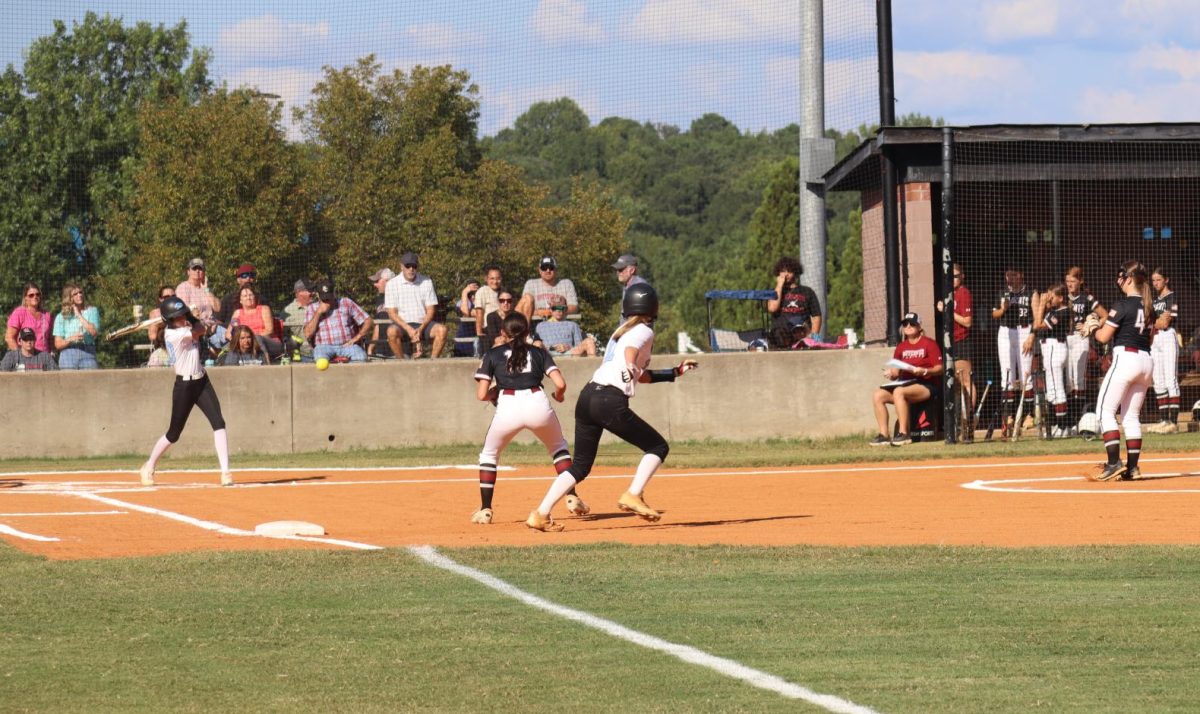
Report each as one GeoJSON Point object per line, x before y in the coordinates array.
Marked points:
{"type": "Point", "coordinates": [601, 408]}
{"type": "Point", "coordinates": [185, 395]}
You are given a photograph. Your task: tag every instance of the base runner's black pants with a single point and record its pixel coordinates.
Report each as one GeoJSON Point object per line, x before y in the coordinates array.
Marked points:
{"type": "Point", "coordinates": [602, 407]}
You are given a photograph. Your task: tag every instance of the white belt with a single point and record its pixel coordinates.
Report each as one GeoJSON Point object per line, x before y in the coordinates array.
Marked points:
{"type": "Point", "coordinates": [189, 377]}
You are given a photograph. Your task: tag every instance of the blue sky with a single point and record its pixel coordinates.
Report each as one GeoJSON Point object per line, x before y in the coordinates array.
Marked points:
{"type": "Point", "coordinates": [970, 62]}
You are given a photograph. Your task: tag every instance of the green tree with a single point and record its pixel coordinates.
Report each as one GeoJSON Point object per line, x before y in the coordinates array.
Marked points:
{"type": "Point", "coordinates": [68, 123]}
{"type": "Point", "coordinates": [216, 179]}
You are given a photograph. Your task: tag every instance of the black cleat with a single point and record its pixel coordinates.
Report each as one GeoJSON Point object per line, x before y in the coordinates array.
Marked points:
{"type": "Point", "coordinates": [1132, 473]}
{"type": "Point", "coordinates": [1110, 472]}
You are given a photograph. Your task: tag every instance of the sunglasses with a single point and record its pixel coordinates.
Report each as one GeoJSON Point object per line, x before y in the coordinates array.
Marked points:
{"type": "Point", "coordinates": [196, 267]}
{"type": "Point", "coordinates": [33, 294]}
{"type": "Point", "coordinates": [411, 265]}
{"type": "Point", "coordinates": [559, 309]}
{"type": "Point", "coordinates": [548, 267]}
{"type": "Point", "coordinates": [504, 300]}
{"type": "Point", "coordinates": [243, 276]}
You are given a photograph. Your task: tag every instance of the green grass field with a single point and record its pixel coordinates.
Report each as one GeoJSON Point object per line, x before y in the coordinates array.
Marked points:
{"type": "Point", "coordinates": [894, 629]}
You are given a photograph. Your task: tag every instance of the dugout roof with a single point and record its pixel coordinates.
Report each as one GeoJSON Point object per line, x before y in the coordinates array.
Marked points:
{"type": "Point", "coordinates": [1025, 152]}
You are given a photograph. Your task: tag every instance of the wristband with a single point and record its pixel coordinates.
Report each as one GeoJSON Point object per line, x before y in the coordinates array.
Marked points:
{"type": "Point", "coordinates": [662, 375]}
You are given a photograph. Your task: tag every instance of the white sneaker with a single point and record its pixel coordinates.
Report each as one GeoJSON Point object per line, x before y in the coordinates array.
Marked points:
{"type": "Point", "coordinates": [576, 506]}
{"type": "Point", "coordinates": [147, 474]}
{"type": "Point", "coordinates": [226, 479]}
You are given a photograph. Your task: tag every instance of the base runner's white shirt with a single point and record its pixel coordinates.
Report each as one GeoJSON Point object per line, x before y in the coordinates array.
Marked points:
{"type": "Point", "coordinates": [187, 351]}
{"type": "Point", "coordinates": [614, 372]}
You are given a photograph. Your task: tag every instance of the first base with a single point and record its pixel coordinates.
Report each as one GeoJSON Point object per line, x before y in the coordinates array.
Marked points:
{"type": "Point", "coordinates": [285, 528]}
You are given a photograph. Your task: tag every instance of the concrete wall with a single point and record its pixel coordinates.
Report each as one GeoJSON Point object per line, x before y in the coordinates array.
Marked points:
{"type": "Point", "coordinates": [281, 410]}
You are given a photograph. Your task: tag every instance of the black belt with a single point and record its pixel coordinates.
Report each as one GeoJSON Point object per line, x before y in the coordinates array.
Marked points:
{"type": "Point", "coordinates": [514, 391]}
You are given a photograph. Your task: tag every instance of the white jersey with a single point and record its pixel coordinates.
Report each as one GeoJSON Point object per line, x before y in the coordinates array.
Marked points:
{"type": "Point", "coordinates": [614, 372]}
{"type": "Point", "coordinates": [187, 351]}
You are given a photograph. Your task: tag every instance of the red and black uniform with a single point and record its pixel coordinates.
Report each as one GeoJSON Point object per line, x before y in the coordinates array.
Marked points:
{"type": "Point", "coordinates": [1129, 376]}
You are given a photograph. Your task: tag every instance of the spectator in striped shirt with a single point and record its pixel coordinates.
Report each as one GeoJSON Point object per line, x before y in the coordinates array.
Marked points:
{"type": "Point", "coordinates": [562, 337]}
{"type": "Point", "coordinates": [336, 326]}
{"type": "Point", "coordinates": [535, 297]}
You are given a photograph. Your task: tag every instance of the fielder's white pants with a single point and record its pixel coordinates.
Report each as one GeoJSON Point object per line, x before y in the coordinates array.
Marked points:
{"type": "Point", "coordinates": [1054, 361]}
{"type": "Point", "coordinates": [1164, 350]}
{"type": "Point", "coordinates": [1078, 349]}
{"type": "Point", "coordinates": [522, 409]}
{"type": "Point", "coordinates": [1124, 387]}
{"type": "Point", "coordinates": [1015, 365]}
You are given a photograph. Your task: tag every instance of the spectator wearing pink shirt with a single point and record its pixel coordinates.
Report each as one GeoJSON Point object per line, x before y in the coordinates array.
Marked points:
{"type": "Point", "coordinates": [195, 293]}
{"type": "Point", "coordinates": [30, 315]}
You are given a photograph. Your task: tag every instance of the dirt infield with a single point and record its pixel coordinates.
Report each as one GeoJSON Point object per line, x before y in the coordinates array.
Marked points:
{"type": "Point", "coordinates": [1018, 502]}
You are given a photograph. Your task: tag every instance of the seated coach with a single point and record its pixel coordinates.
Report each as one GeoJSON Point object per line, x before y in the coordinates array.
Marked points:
{"type": "Point", "coordinates": [917, 382]}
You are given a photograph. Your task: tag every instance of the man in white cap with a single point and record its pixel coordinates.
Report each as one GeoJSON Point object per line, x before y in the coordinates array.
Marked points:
{"type": "Point", "coordinates": [411, 303]}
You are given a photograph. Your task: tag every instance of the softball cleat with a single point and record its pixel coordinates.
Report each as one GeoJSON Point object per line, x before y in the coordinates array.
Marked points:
{"type": "Point", "coordinates": [576, 506]}
{"type": "Point", "coordinates": [147, 474]}
{"type": "Point", "coordinates": [546, 524]}
{"type": "Point", "coordinates": [1110, 472]}
{"type": "Point", "coordinates": [636, 505]}
{"type": "Point", "coordinates": [483, 516]}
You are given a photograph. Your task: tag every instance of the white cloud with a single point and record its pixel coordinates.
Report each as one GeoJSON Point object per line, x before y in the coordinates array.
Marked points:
{"type": "Point", "coordinates": [565, 22]}
{"type": "Point", "coordinates": [1020, 19]}
{"type": "Point", "coordinates": [269, 37]}
{"type": "Point", "coordinates": [934, 83]}
{"type": "Point", "coordinates": [1182, 62]}
{"type": "Point", "coordinates": [441, 37]}
{"type": "Point", "coordinates": [1153, 103]}
{"type": "Point", "coordinates": [293, 85]}
{"type": "Point", "coordinates": [683, 21]}
{"type": "Point", "coordinates": [1176, 18]}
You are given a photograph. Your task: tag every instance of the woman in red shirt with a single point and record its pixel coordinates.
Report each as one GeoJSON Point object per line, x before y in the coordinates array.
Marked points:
{"type": "Point", "coordinates": [908, 387]}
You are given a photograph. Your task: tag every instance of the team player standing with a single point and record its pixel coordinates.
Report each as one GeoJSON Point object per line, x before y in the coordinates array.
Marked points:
{"type": "Point", "coordinates": [1164, 350]}
{"type": "Point", "coordinates": [1014, 311]}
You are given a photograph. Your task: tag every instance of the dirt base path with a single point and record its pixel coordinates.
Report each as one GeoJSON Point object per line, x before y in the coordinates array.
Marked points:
{"type": "Point", "coordinates": [1018, 502]}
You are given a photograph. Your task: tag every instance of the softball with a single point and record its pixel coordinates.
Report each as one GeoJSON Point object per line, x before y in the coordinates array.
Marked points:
{"type": "Point", "coordinates": [322, 364]}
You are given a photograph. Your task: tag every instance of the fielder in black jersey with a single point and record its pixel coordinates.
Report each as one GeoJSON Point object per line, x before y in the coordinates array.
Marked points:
{"type": "Point", "coordinates": [1164, 351]}
{"type": "Point", "coordinates": [1079, 342]}
{"type": "Point", "coordinates": [518, 369]}
{"type": "Point", "coordinates": [1129, 376]}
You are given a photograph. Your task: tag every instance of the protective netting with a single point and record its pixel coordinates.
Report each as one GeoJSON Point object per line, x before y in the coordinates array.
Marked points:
{"type": "Point", "coordinates": [325, 141]}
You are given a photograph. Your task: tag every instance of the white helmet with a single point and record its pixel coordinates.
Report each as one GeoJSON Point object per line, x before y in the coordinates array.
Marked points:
{"type": "Point", "coordinates": [1196, 411]}
{"type": "Point", "coordinates": [1089, 425]}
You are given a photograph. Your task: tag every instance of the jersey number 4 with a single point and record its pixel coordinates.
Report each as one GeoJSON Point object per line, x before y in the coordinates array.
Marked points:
{"type": "Point", "coordinates": [1140, 323]}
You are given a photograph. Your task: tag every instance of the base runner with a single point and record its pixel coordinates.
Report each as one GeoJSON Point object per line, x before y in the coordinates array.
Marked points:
{"type": "Point", "coordinates": [184, 335]}
{"type": "Point", "coordinates": [521, 403]}
{"type": "Point", "coordinates": [604, 405]}
{"type": "Point", "coordinates": [1130, 374]}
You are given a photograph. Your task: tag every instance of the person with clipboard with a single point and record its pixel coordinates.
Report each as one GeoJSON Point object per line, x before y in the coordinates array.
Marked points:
{"type": "Point", "coordinates": [914, 375]}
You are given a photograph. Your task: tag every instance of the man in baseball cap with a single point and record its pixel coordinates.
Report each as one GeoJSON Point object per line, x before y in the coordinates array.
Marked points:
{"type": "Point", "coordinates": [627, 269]}
{"type": "Point", "coordinates": [27, 357]}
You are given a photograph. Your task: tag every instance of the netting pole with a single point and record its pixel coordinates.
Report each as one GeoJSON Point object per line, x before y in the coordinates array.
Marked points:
{"type": "Point", "coordinates": [891, 220]}
{"type": "Point", "coordinates": [950, 412]}
{"type": "Point", "coordinates": [816, 152]}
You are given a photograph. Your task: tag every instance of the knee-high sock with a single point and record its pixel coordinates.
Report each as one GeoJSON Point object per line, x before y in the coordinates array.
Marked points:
{"type": "Point", "coordinates": [645, 469]}
{"type": "Point", "coordinates": [160, 448]}
{"type": "Point", "coordinates": [561, 486]}
{"type": "Point", "coordinates": [221, 441]}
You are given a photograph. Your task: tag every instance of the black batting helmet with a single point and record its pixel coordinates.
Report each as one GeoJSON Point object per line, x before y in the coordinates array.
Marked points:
{"type": "Point", "coordinates": [172, 307]}
{"type": "Point", "coordinates": [640, 299]}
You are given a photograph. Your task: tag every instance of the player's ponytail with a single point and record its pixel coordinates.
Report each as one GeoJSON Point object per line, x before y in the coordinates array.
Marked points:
{"type": "Point", "coordinates": [1135, 271]}
{"type": "Point", "coordinates": [630, 323]}
{"type": "Point", "coordinates": [516, 329]}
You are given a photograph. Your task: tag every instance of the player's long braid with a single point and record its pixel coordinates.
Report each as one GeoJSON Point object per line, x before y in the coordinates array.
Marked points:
{"type": "Point", "coordinates": [516, 329]}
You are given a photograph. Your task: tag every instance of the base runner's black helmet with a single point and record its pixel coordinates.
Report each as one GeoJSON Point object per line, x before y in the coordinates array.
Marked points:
{"type": "Point", "coordinates": [172, 307]}
{"type": "Point", "coordinates": [640, 300]}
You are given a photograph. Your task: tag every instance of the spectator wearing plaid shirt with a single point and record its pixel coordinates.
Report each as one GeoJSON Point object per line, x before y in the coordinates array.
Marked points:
{"type": "Point", "coordinates": [561, 337]}
{"type": "Point", "coordinates": [411, 301]}
{"type": "Point", "coordinates": [336, 325]}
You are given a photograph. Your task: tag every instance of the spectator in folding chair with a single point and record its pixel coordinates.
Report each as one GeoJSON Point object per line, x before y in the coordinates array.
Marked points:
{"type": "Point", "coordinates": [908, 387]}
{"type": "Point", "coordinates": [336, 326]}
{"type": "Point", "coordinates": [793, 304]}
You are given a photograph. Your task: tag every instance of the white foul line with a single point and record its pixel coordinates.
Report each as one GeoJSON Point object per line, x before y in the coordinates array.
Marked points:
{"type": "Point", "coordinates": [691, 655]}
{"type": "Point", "coordinates": [998, 487]}
{"type": "Point", "coordinates": [723, 666]}
{"type": "Point", "coordinates": [68, 513]}
{"type": "Point", "coordinates": [27, 536]}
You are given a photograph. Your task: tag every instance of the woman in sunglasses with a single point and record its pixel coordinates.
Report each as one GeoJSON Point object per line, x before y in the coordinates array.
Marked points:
{"type": "Point", "coordinates": [75, 330]}
{"type": "Point", "coordinates": [493, 329]}
{"type": "Point", "coordinates": [30, 314]}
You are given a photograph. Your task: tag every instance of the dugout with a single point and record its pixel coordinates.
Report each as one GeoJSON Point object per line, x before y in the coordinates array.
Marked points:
{"type": "Point", "coordinates": [1041, 197]}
